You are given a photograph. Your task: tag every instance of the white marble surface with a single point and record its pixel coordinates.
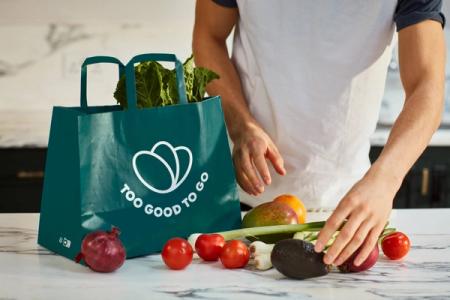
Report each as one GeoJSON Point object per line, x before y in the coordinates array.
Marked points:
{"type": "Point", "coordinates": [48, 41]}
{"type": "Point", "coordinates": [45, 42]}
{"type": "Point", "coordinates": [30, 272]}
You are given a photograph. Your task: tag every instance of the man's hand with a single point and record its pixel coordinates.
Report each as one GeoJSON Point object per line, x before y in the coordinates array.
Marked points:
{"type": "Point", "coordinates": [366, 207]}
{"type": "Point", "coordinates": [252, 148]}
{"type": "Point", "coordinates": [368, 204]}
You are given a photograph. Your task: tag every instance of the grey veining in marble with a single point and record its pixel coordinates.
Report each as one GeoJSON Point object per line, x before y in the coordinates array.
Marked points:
{"type": "Point", "coordinates": [45, 42]}
{"type": "Point", "coordinates": [45, 72]}
{"type": "Point", "coordinates": [44, 46]}
{"type": "Point", "coordinates": [29, 272]}
{"type": "Point", "coordinates": [57, 37]}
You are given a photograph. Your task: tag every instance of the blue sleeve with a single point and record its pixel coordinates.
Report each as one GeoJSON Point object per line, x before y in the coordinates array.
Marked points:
{"type": "Point", "coordinates": [226, 3]}
{"type": "Point", "coordinates": [410, 12]}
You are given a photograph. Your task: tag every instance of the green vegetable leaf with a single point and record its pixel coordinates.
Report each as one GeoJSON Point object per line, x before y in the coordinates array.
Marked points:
{"type": "Point", "coordinates": [188, 68]}
{"type": "Point", "coordinates": [121, 92]}
{"type": "Point", "coordinates": [202, 77]}
{"type": "Point", "coordinates": [157, 86]}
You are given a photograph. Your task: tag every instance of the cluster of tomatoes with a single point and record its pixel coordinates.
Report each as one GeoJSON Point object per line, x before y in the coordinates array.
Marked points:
{"type": "Point", "coordinates": [177, 252]}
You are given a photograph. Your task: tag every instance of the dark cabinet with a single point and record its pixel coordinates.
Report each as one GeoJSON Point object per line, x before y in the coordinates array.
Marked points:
{"type": "Point", "coordinates": [21, 179]}
{"type": "Point", "coordinates": [427, 184]}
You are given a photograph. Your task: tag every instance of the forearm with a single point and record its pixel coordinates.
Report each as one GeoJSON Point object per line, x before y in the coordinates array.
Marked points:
{"type": "Point", "coordinates": [411, 132]}
{"type": "Point", "coordinates": [422, 70]}
{"type": "Point", "coordinates": [213, 54]}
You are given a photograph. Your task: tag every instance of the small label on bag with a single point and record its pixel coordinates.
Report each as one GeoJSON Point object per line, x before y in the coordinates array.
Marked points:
{"type": "Point", "coordinates": [65, 242]}
{"type": "Point", "coordinates": [177, 177]}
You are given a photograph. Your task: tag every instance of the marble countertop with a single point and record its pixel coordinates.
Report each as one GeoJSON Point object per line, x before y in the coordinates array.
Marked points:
{"type": "Point", "coordinates": [28, 271]}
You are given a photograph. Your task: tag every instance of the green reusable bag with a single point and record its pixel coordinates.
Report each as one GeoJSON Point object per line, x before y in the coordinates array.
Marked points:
{"type": "Point", "coordinates": [154, 173]}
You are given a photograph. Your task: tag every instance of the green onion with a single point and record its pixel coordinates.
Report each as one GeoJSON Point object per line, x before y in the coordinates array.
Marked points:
{"type": "Point", "coordinates": [276, 229]}
{"type": "Point", "coordinates": [386, 231]}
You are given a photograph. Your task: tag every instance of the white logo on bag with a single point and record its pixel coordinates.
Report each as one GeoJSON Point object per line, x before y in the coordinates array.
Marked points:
{"type": "Point", "coordinates": [175, 176]}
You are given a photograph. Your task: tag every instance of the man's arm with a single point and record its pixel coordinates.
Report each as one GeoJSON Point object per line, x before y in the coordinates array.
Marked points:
{"type": "Point", "coordinates": [213, 24]}
{"type": "Point", "coordinates": [368, 204]}
{"type": "Point", "coordinates": [422, 70]}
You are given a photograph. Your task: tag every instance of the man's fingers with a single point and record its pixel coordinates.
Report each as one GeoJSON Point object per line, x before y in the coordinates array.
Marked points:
{"type": "Point", "coordinates": [369, 245]}
{"type": "Point", "coordinates": [242, 179]}
{"type": "Point", "coordinates": [331, 225]}
{"type": "Point", "coordinates": [250, 159]}
{"type": "Point", "coordinates": [257, 150]}
{"type": "Point", "coordinates": [346, 235]}
{"type": "Point", "coordinates": [246, 166]}
{"type": "Point", "coordinates": [275, 158]}
{"type": "Point", "coordinates": [261, 165]}
{"type": "Point", "coordinates": [356, 242]}
{"type": "Point", "coordinates": [244, 182]}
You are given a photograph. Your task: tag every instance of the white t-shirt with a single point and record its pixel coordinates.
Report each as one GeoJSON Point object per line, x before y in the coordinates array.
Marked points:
{"type": "Point", "coordinates": [313, 74]}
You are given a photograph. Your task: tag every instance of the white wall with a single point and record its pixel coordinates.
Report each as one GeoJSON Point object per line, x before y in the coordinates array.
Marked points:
{"type": "Point", "coordinates": [142, 11]}
{"type": "Point", "coordinates": [43, 44]}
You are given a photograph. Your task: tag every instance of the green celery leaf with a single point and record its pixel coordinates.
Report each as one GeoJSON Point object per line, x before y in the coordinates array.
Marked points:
{"type": "Point", "coordinates": [188, 68]}
{"type": "Point", "coordinates": [156, 85]}
{"type": "Point", "coordinates": [202, 77]}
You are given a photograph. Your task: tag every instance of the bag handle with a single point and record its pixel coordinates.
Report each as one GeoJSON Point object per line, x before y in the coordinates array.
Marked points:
{"type": "Point", "coordinates": [96, 60]}
{"type": "Point", "coordinates": [131, 80]}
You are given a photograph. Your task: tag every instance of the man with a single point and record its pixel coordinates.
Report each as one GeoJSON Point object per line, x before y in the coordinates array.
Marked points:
{"type": "Point", "coordinates": [302, 93]}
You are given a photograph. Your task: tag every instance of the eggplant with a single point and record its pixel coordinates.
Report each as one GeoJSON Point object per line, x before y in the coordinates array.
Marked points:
{"type": "Point", "coordinates": [297, 259]}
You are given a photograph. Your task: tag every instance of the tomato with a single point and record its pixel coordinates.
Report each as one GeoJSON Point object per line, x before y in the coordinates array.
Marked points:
{"type": "Point", "coordinates": [209, 246]}
{"type": "Point", "coordinates": [234, 254]}
{"type": "Point", "coordinates": [395, 245]}
{"type": "Point", "coordinates": [177, 253]}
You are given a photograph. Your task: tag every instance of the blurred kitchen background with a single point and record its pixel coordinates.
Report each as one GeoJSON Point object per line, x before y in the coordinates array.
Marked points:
{"type": "Point", "coordinates": [43, 44]}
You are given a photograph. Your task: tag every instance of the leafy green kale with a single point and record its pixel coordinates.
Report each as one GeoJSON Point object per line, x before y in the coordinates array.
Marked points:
{"type": "Point", "coordinates": [156, 85]}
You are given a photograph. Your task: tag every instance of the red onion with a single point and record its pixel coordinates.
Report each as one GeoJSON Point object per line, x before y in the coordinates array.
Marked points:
{"type": "Point", "coordinates": [102, 251]}
{"type": "Point", "coordinates": [348, 266]}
